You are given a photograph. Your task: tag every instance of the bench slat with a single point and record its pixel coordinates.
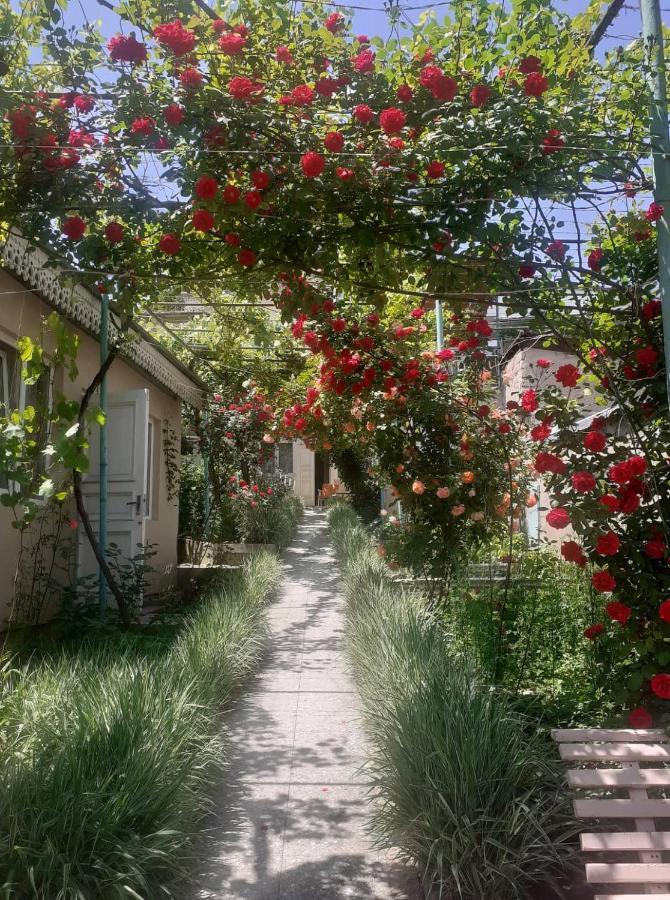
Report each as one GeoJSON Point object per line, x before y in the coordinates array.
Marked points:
{"type": "Point", "coordinates": [627, 873]}
{"type": "Point", "coordinates": [631, 896]}
{"type": "Point", "coordinates": [611, 751]}
{"type": "Point", "coordinates": [650, 735]}
{"type": "Point", "coordinates": [622, 809]}
{"type": "Point", "coordinates": [606, 778]}
{"type": "Point", "coordinates": [626, 840]}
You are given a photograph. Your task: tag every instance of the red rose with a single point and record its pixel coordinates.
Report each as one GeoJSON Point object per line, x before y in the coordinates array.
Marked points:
{"type": "Point", "coordinates": [344, 174]}
{"type": "Point", "coordinates": [334, 141]}
{"type": "Point", "coordinates": [143, 126]}
{"type": "Point", "coordinates": [74, 228]}
{"type": "Point", "coordinates": [364, 62]}
{"type": "Point", "coordinates": [583, 482]}
{"type": "Point", "coordinates": [241, 88]}
{"type": "Point", "coordinates": [603, 582]}
{"type": "Point", "coordinates": [525, 270]}
{"type": "Point", "coordinates": [593, 631]}
{"type": "Point", "coordinates": [441, 86]}
{"type": "Point", "coordinates": [175, 37]}
{"type": "Point", "coordinates": [610, 501]}
{"type": "Point", "coordinates": [664, 611]}
{"type": "Point", "coordinates": [529, 400]}
{"type": "Point", "coordinates": [567, 375]}
{"type": "Point", "coordinates": [646, 356]}
{"type": "Point", "coordinates": [363, 113]}
{"type": "Point", "coordinates": [114, 232]}
{"type": "Point", "coordinates": [169, 244]}
{"type": "Point", "coordinates": [231, 194]}
{"type": "Point", "coordinates": [553, 142]}
{"type": "Point", "coordinates": [660, 685]}
{"type": "Point", "coordinates": [529, 64]}
{"type": "Point", "coordinates": [302, 95]}
{"type": "Point", "coordinates": [284, 55]}
{"type": "Point", "coordinates": [246, 257]}
{"type": "Point", "coordinates": [334, 22]}
{"type": "Point", "coordinates": [542, 431]}
{"type": "Point", "coordinates": [618, 612]}
{"type": "Point", "coordinates": [202, 220]}
{"type": "Point", "coordinates": [608, 544]}
{"type": "Point", "coordinates": [392, 120]}
{"type": "Point", "coordinates": [556, 250]}
{"type": "Point", "coordinates": [206, 187]}
{"type": "Point", "coordinates": [327, 87]}
{"type": "Point", "coordinates": [190, 79]}
{"type": "Point", "coordinates": [639, 718]}
{"type": "Point", "coordinates": [435, 170]}
{"type": "Point", "coordinates": [572, 552]}
{"type": "Point", "coordinates": [404, 93]}
{"type": "Point", "coordinates": [549, 462]}
{"type": "Point", "coordinates": [594, 259]}
{"type": "Point", "coordinates": [232, 44]}
{"type": "Point", "coordinates": [83, 103]}
{"type": "Point", "coordinates": [253, 199]}
{"type": "Point", "coordinates": [651, 310]}
{"type": "Point", "coordinates": [654, 213]}
{"type": "Point", "coordinates": [558, 518]}
{"type": "Point", "coordinates": [173, 114]}
{"type": "Point", "coordinates": [655, 548]}
{"type": "Point", "coordinates": [535, 84]}
{"type": "Point", "coordinates": [595, 441]}
{"type": "Point", "coordinates": [126, 49]}
{"type": "Point", "coordinates": [260, 180]}
{"type": "Point", "coordinates": [312, 164]}
{"type": "Point", "coordinates": [480, 94]}
{"type": "Point", "coordinates": [543, 363]}
{"type": "Point", "coordinates": [232, 239]}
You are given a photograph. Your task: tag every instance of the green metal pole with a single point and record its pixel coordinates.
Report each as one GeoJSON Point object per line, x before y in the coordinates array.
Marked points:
{"type": "Point", "coordinates": [652, 28]}
{"type": "Point", "coordinates": [103, 466]}
{"type": "Point", "coordinates": [439, 324]}
{"type": "Point", "coordinates": [205, 478]}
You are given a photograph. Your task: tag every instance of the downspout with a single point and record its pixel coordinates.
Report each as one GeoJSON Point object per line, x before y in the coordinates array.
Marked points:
{"type": "Point", "coordinates": [103, 466]}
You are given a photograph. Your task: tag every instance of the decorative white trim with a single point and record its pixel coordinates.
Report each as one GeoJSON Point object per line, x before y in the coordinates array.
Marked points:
{"type": "Point", "coordinates": [81, 307]}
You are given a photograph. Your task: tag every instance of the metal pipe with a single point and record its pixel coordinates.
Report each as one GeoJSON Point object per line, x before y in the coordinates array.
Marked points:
{"type": "Point", "coordinates": [103, 463]}
{"type": "Point", "coordinates": [205, 477]}
{"type": "Point", "coordinates": [652, 28]}
{"type": "Point", "coordinates": [439, 324]}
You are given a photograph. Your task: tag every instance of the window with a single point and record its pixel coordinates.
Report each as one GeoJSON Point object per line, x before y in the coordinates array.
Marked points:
{"type": "Point", "coordinates": [15, 394]}
{"type": "Point", "coordinates": [285, 460]}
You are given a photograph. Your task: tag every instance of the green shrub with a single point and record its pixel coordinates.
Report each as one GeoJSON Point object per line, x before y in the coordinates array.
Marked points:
{"type": "Point", "coordinates": [466, 788]}
{"type": "Point", "coordinates": [107, 758]}
{"type": "Point", "coordinates": [526, 632]}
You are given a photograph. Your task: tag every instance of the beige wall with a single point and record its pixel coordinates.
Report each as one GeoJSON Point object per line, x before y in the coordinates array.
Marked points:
{"type": "Point", "coordinates": [22, 313]}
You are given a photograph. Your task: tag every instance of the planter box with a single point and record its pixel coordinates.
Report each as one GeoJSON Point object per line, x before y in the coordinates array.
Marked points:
{"type": "Point", "coordinates": [206, 553]}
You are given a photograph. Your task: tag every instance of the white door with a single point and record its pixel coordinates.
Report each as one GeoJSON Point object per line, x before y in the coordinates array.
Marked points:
{"type": "Point", "coordinates": [127, 438]}
{"type": "Point", "coordinates": [303, 470]}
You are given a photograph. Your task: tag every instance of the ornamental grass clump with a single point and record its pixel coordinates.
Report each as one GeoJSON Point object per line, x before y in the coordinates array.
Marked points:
{"type": "Point", "coordinates": [465, 788]}
{"type": "Point", "coordinates": [107, 761]}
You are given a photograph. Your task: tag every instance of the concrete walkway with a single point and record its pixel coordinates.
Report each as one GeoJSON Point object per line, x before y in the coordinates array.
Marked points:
{"type": "Point", "coordinates": [294, 807]}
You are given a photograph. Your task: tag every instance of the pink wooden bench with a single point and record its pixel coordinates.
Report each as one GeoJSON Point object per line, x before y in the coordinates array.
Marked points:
{"type": "Point", "coordinates": [641, 758]}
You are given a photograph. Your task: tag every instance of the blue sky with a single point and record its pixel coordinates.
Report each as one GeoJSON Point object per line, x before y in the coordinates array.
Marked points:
{"type": "Point", "coordinates": [373, 21]}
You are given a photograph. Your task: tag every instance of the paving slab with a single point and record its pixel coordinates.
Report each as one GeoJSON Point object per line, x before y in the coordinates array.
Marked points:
{"type": "Point", "coordinates": [292, 818]}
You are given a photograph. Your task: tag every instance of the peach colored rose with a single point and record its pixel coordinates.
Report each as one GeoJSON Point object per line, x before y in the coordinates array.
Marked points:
{"type": "Point", "coordinates": [418, 487]}
{"type": "Point", "coordinates": [458, 510]}
{"type": "Point", "coordinates": [443, 492]}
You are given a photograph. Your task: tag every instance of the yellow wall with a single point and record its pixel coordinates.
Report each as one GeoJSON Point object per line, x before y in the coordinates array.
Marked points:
{"type": "Point", "coordinates": [22, 313]}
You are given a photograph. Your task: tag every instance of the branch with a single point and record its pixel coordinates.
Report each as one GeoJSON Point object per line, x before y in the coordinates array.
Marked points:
{"type": "Point", "coordinates": [207, 9]}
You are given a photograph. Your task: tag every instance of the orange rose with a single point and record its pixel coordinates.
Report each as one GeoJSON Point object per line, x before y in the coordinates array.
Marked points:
{"type": "Point", "coordinates": [468, 477]}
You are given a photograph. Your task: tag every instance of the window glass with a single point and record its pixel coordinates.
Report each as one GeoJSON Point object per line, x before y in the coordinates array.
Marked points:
{"type": "Point", "coordinates": [286, 457]}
